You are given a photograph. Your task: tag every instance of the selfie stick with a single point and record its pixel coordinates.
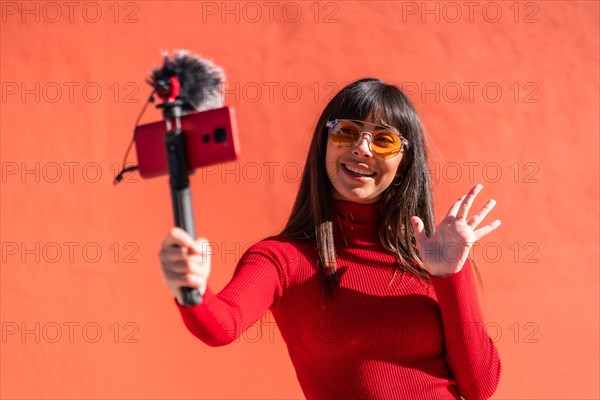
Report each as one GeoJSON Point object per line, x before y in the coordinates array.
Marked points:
{"type": "Point", "coordinates": [181, 195]}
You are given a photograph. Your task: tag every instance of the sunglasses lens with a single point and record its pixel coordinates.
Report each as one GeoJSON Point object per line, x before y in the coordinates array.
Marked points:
{"type": "Point", "coordinates": [386, 144]}
{"type": "Point", "coordinates": [345, 134]}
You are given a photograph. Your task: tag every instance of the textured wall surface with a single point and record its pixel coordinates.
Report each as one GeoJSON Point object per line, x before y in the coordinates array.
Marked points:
{"type": "Point", "coordinates": [508, 91]}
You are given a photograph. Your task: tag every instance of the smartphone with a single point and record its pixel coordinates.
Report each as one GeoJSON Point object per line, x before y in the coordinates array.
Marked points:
{"type": "Point", "coordinates": [211, 138]}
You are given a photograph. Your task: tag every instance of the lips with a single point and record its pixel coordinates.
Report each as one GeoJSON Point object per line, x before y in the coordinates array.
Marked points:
{"type": "Point", "coordinates": [359, 171]}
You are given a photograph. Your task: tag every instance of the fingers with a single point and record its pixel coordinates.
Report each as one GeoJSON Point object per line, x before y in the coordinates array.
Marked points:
{"type": "Point", "coordinates": [454, 209]}
{"type": "Point", "coordinates": [177, 237]}
{"type": "Point", "coordinates": [175, 283]}
{"type": "Point", "coordinates": [479, 233]}
{"type": "Point", "coordinates": [184, 262]}
{"type": "Point", "coordinates": [196, 278]}
{"type": "Point", "coordinates": [465, 206]}
{"type": "Point", "coordinates": [461, 207]}
{"type": "Point", "coordinates": [180, 263]}
{"type": "Point", "coordinates": [477, 218]}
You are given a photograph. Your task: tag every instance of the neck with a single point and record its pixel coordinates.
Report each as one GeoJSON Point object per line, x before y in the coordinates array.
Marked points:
{"type": "Point", "coordinates": [354, 222]}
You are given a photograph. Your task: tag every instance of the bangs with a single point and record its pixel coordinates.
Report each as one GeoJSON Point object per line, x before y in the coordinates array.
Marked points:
{"type": "Point", "coordinates": [383, 104]}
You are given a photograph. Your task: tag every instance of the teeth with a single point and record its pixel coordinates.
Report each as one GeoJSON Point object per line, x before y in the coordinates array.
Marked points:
{"type": "Point", "coordinates": [359, 171]}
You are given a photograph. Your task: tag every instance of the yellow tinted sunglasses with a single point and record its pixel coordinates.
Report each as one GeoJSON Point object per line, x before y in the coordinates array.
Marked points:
{"type": "Point", "coordinates": [386, 142]}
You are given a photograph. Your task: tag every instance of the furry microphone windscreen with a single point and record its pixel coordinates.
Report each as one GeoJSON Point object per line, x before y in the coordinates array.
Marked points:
{"type": "Point", "coordinates": [200, 80]}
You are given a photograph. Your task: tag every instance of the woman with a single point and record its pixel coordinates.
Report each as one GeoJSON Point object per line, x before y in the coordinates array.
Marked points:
{"type": "Point", "coordinates": [371, 300]}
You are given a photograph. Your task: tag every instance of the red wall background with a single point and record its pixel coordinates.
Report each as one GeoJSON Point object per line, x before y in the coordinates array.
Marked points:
{"type": "Point", "coordinates": [508, 92]}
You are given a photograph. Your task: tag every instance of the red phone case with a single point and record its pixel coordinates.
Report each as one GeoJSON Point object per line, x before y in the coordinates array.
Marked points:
{"type": "Point", "coordinates": [211, 138]}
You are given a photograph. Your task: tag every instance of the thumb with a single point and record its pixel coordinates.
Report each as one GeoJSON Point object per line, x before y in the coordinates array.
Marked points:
{"type": "Point", "coordinates": [418, 228]}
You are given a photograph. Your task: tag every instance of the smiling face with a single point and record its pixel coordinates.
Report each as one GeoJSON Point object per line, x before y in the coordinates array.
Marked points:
{"type": "Point", "coordinates": [357, 174]}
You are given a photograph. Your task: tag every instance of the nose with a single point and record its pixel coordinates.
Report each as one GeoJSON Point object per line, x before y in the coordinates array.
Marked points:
{"type": "Point", "coordinates": [363, 147]}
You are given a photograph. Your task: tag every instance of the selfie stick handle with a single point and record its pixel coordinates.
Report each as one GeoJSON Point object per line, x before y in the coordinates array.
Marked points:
{"type": "Point", "coordinates": [180, 193]}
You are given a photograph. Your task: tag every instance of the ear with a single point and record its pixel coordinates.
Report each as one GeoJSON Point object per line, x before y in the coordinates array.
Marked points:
{"type": "Point", "coordinates": [399, 172]}
{"type": "Point", "coordinates": [401, 168]}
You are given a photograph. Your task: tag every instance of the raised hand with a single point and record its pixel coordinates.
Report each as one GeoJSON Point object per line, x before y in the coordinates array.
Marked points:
{"type": "Point", "coordinates": [446, 251]}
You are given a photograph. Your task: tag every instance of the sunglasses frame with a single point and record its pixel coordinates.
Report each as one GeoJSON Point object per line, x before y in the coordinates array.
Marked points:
{"type": "Point", "coordinates": [403, 142]}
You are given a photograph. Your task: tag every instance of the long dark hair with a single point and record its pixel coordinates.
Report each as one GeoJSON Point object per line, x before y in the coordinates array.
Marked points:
{"type": "Point", "coordinates": [407, 196]}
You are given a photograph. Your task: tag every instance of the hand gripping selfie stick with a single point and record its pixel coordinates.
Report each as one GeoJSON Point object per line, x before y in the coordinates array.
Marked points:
{"type": "Point", "coordinates": [179, 181]}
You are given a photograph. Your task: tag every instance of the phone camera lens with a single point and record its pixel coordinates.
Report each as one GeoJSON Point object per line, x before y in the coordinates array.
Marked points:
{"type": "Point", "coordinates": [220, 135]}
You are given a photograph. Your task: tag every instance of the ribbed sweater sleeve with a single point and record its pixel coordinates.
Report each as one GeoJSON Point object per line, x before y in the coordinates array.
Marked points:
{"type": "Point", "coordinates": [470, 352]}
{"type": "Point", "coordinates": [257, 283]}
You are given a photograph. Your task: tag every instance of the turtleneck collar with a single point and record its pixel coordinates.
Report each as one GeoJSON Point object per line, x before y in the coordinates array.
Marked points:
{"type": "Point", "coordinates": [356, 221]}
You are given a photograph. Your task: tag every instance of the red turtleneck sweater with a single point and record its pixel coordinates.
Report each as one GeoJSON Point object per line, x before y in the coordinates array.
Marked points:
{"type": "Point", "coordinates": [375, 339]}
